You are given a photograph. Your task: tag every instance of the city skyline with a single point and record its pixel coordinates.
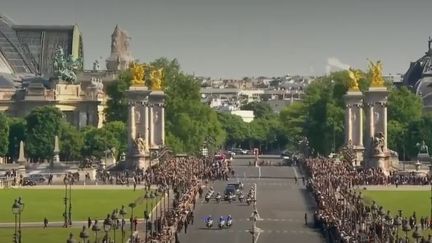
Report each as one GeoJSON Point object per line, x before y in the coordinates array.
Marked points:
{"type": "Point", "coordinates": [232, 39]}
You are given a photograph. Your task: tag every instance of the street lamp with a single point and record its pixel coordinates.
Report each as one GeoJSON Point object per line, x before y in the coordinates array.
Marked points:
{"type": "Point", "coordinates": [107, 226]}
{"type": "Point", "coordinates": [71, 239]}
{"type": "Point", "coordinates": [152, 196]}
{"type": "Point", "coordinates": [406, 228]}
{"type": "Point", "coordinates": [132, 206]}
{"type": "Point", "coordinates": [15, 211]}
{"type": "Point", "coordinates": [397, 223]}
{"type": "Point", "coordinates": [21, 209]}
{"type": "Point", "coordinates": [95, 228]}
{"type": "Point", "coordinates": [122, 214]}
{"type": "Point", "coordinates": [114, 218]}
{"type": "Point", "coordinates": [416, 234]}
{"type": "Point", "coordinates": [84, 235]}
{"type": "Point", "coordinates": [68, 214]}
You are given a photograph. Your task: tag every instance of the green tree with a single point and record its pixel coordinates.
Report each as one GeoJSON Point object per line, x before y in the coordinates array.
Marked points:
{"type": "Point", "coordinates": [4, 135]}
{"type": "Point", "coordinates": [17, 133]}
{"type": "Point", "coordinates": [260, 109]}
{"type": "Point", "coordinates": [235, 128]}
{"type": "Point", "coordinates": [71, 142]}
{"type": "Point", "coordinates": [117, 104]}
{"type": "Point", "coordinates": [43, 123]}
{"type": "Point", "coordinates": [98, 141]}
{"type": "Point", "coordinates": [189, 123]}
{"type": "Point", "coordinates": [119, 130]}
{"type": "Point", "coordinates": [404, 106]}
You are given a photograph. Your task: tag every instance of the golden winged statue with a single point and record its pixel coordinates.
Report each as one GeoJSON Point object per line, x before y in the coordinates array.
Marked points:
{"type": "Point", "coordinates": [137, 71]}
{"type": "Point", "coordinates": [156, 79]}
{"type": "Point", "coordinates": [376, 70]}
{"type": "Point", "coordinates": [354, 76]}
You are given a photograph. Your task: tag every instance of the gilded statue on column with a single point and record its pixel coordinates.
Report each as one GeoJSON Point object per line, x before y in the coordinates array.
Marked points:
{"type": "Point", "coordinates": [376, 70]}
{"type": "Point", "coordinates": [354, 76]}
{"type": "Point", "coordinates": [137, 71]}
{"type": "Point", "coordinates": [156, 79]}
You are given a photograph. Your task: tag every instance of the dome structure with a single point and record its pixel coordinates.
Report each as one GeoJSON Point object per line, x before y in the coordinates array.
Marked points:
{"type": "Point", "coordinates": [419, 77]}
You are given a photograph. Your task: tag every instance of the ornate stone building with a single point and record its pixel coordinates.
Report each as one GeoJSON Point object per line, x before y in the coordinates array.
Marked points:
{"type": "Point", "coordinates": [419, 77]}
{"type": "Point", "coordinates": [27, 55]}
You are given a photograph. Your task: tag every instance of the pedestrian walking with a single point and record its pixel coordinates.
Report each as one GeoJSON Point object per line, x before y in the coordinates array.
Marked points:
{"type": "Point", "coordinates": [45, 223]}
{"type": "Point", "coordinates": [306, 218]}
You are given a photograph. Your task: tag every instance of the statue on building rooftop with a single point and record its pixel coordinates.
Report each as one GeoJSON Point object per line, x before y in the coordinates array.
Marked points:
{"type": "Point", "coordinates": [137, 71]}
{"type": "Point", "coordinates": [156, 79]}
{"type": "Point", "coordinates": [354, 76]}
{"type": "Point", "coordinates": [376, 70]}
{"type": "Point", "coordinates": [423, 148]}
{"type": "Point", "coordinates": [66, 67]}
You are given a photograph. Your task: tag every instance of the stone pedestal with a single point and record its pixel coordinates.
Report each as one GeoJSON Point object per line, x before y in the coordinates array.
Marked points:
{"type": "Point", "coordinates": [157, 119]}
{"type": "Point", "coordinates": [354, 124]}
{"type": "Point", "coordinates": [376, 127]}
{"type": "Point", "coordinates": [138, 127]}
{"type": "Point", "coordinates": [380, 161]}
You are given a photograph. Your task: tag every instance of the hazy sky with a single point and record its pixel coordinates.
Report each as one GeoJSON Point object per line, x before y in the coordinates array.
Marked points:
{"type": "Point", "coordinates": [235, 38]}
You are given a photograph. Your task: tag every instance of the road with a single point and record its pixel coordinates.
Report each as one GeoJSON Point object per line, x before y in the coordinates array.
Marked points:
{"type": "Point", "coordinates": [281, 204]}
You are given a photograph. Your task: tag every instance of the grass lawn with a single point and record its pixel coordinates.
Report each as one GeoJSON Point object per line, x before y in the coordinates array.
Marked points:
{"type": "Point", "coordinates": [53, 235]}
{"type": "Point", "coordinates": [96, 204]}
{"type": "Point", "coordinates": [407, 201]}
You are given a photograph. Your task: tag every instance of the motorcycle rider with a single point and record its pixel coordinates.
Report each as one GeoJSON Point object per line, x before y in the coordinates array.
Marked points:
{"type": "Point", "coordinates": [229, 221]}
{"type": "Point", "coordinates": [221, 222]}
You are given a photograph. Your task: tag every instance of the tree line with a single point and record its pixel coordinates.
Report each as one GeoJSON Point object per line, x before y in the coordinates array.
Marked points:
{"type": "Point", "coordinates": [190, 124]}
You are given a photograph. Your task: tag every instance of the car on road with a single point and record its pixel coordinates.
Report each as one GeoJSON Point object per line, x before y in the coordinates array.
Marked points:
{"type": "Point", "coordinates": [38, 178]}
{"type": "Point", "coordinates": [230, 192]}
{"type": "Point", "coordinates": [236, 186]}
{"type": "Point", "coordinates": [28, 182]}
{"type": "Point", "coordinates": [239, 151]}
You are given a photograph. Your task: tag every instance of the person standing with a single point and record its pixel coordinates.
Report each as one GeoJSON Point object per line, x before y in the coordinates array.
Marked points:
{"type": "Point", "coordinates": [305, 218]}
{"type": "Point", "coordinates": [89, 223]}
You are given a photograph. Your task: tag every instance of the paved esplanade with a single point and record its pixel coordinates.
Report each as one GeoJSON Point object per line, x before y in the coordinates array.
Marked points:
{"type": "Point", "coordinates": [281, 204]}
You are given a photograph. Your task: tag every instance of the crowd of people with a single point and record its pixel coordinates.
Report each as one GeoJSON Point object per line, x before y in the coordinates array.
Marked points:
{"type": "Point", "coordinates": [185, 177]}
{"type": "Point", "coordinates": [341, 212]}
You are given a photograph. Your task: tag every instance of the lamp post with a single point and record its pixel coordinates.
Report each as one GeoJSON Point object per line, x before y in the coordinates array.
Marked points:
{"type": "Point", "coordinates": [21, 209]}
{"type": "Point", "coordinates": [406, 228]}
{"type": "Point", "coordinates": [95, 228]}
{"type": "Point", "coordinates": [122, 214]}
{"type": "Point", "coordinates": [152, 196]}
{"type": "Point", "coordinates": [68, 213]}
{"type": "Point", "coordinates": [15, 211]}
{"type": "Point", "coordinates": [107, 227]}
{"type": "Point", "coordinates": [65, 181]}
{"type": "Point", "coordinates": [397, 222]}
{"type": "Point", "coordinates": [417, 234]}
{"type": "Point", "coordinates": [132, 206]}
{"type": "Point", "coordinates": [114, 218]}
{"type": "Point", "coordinates": [84, 235]}
{"type": "Point", "coordinates": [70, 239]}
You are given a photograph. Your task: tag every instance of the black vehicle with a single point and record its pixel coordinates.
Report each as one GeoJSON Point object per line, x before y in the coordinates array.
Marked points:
{"type": "Point", "coordinates": [230, 193]}
{"type": "Point", "coordinates": [28, 182]}
{"type": "Point", "coordinates": [237, 186]}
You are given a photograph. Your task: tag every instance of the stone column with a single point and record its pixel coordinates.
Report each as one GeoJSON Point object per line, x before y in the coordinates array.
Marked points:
{"type": "Point", "coordinates": [349, 125]}
{"type": "Point", "coordinates": [371, 130]}
{"type": "Point", "coordinates": [384, 107]}
{"type": "Point", "coordinates": [360, 127]}
{"type": "Point", "coordinates": [131, 125]}
{"type": "Point", "coordinates": [163, 124]}
{"type": "Point", "coordinates": [354, 123]}
{"type": "Point", "coordinates": [151, 126]}
{"type": "Point", "coordinates": [146, 125]}
{"type": "Point", "coordinates": [21, 157]}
